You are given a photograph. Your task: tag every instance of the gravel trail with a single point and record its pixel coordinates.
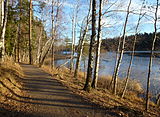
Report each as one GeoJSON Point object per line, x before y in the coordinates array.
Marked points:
{"type": "Point", "coordinates": [49, 98]}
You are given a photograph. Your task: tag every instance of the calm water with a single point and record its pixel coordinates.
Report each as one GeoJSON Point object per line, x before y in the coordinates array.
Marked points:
{"type": "Point", "coordinates": [139, 68]}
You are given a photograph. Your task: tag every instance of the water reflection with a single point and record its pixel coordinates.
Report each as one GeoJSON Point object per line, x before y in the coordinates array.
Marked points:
{"type": "Point", "coordinates": [139, 68]}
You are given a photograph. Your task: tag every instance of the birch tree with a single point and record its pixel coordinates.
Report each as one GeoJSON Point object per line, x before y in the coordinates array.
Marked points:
{"type": "Point", "coordinates": [50, 43]}
{"type": "Point", "coordinates": [87, 86]}
{"type": "Point", "coordinates": [4, 23]}
{"type": "Point", "coordinates": [39, 52]}
{"type": "Point", "coordinates": [122, 50]}
{"type": "Point", "coordinates": [133, 51]}
{"type": "Point", "coordinates": [74, 25]}
{"type": "Point", "coordinates": [54, 28]}
{"type": "Point", "coordinates": [98, 48]}
{"type": "Point", "coordinates": [81, 41]}
{"type": "Point", "coordinates": [2, 12]}
{"type": "Point", "coordinates": [117, 56]}
{"type": "Point", "coordinates": [151, 55]}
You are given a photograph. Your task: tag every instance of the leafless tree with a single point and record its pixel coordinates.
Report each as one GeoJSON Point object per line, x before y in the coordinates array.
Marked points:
{"type": "Point", "coordinates": [4, 23]}
{"type": "Point", "coordinates": [151, 55]}
{"type": "Point", "coordinates": [74, 26]}
{"type": "Point", "coordinates": [81, 41]}
{"type": "Point", "coordinates": [122, 50]}
{"type": "Point", "coordinates": [87, 86]}
{"type": "Point", "coordinates": [98, 48]}
{"type": "Point", "coordinates": [133, 51]}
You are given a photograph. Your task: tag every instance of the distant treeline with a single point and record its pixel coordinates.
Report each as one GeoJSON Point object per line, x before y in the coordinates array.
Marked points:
{"type": "Point", "coordinates": [144, 42]}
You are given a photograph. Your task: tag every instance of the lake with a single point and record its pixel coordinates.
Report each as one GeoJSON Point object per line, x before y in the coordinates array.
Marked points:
{"type": "Point", "coordinates": [139, 68]}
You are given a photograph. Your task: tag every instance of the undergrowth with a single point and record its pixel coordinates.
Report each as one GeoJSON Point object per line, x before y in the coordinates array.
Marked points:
{"type": "Point", "coordinates": [102, 95]}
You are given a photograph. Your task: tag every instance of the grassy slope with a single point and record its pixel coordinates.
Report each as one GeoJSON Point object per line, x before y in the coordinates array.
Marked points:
{"type": "Point", "coordinates": [10, 91]}
{"type": "Point", "coordinates": [131, 105]}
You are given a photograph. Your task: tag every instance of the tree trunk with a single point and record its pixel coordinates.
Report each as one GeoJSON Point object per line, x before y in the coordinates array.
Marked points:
{"type": "Point", "coordinates": [30, 32]}
{"type": "Point", "coordinates": [73, 43]}
{"type": "Point", "coordinates": [98, 49]}
{"type": "Point", "coordinates": [39, 46]}
{"type": "Point", "coordinates": [52, 55]}
{"type": "Point", "coordinates": [2, 13]}
{"type": "Point", "coordinates": [132, 56]}
{"type": "Point", "coordinates": [81, 43]}
{"type": "Point", "coordinates": [150, 62]}
{"type": "Point", "coordinates": [19, 32]}
{"type": "Point", "coordinates": [74, 26]}
{"type": "Point", "coordinates": [87, 86]}
{"type": "Point", "coordinates": [117, 56]}
{"type": "Point", "coordinates": [5, 12]}
{"type": "Point", "coordinates": [122, 51]}
{"type": "Point", "coordinates": [45, 51]}
{"type": "Point", "coordinates": [158, 100]}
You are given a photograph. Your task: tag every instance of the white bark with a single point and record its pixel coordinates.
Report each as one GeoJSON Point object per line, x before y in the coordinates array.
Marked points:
{"type": "Point", "coordinates": [117, 56]}
{"type": "Point", "coordinates": [87, 86]}
{"type": "Point", "coordinates": [2, 12]}
{"type": "Point", "coordinates": [81, 42]}
{"type": "Point", "coordinates": [39, 46]}
{"type": "Point", "coordinates": [74, 25]}
{"type": "Point", "coordinates": [151, 56]}
{"type": "Point", "coordinates": [98, 49]}
{"type": "Point", "coordinates": [133, 51]}
{"type": "Point", "coordinates": [122, 51]}
{"type": "Point", "coordinates": [5, 13]}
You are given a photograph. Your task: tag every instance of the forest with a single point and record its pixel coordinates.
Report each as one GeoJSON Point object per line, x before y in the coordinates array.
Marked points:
{"type": "Point", "coordinates": [67, 58]}
{"type": "Point", "coordinates": [144, 42]}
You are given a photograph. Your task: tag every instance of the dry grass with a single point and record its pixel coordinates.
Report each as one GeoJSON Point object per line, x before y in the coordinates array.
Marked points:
{"type": "Point", "coordinates": [103, 96]}
{"type": "Point", "coordinates": [10, 89]}
{"type": "Point", "coordinates": [9, 73]}
{"type": "Point", "coordinates": [12, 66]}
{"type": "Point", "coordinates": [133, 85]}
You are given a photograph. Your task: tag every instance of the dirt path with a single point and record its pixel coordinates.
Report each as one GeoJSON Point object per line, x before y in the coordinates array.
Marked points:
{"type": "Point", "coordinates": [49, 98]}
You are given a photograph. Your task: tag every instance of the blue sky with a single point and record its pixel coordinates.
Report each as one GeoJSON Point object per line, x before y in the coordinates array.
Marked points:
{"type": "Point", "coordinates": [112, 22]}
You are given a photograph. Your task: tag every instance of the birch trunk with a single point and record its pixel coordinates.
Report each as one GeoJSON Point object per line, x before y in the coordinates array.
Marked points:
{"type": "Point", "coordinates": [39, 46]}
{"type": "Point", "coordinates": [87, 86]}
{"type": "Point", "coordinates": [50, 42]}
{"type": "Point", "coordinates": [80, 51]}
{"type": "Point", "coordinates": [5, 10]}
{"type": "Point", "coordinates": [73, 42]}
{"type": "Point", "coordinates": [98, 49]}
{"type": "Point", "coordinates": [2, 12]}
{"type": "Point", "coordinates": [151, 56]}
{"type": "Point", "coordinates": [54, 31]}
{"type": "Point", "coordinates": [117, 56]}
{"type": "Point", "coordinates": [133, 52]}
{"type": "Point", "coordinates": [45, 51]}
{"type": "Point", "coordinates": [74, 26]}
{"type": "Point", "coordinates": [122, 51]}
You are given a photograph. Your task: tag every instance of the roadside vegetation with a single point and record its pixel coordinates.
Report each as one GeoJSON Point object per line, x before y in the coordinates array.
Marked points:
{"type": "Point", "coordinates": [10, 90]}
{"type": "Point", "coordinates": [131, 105]}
